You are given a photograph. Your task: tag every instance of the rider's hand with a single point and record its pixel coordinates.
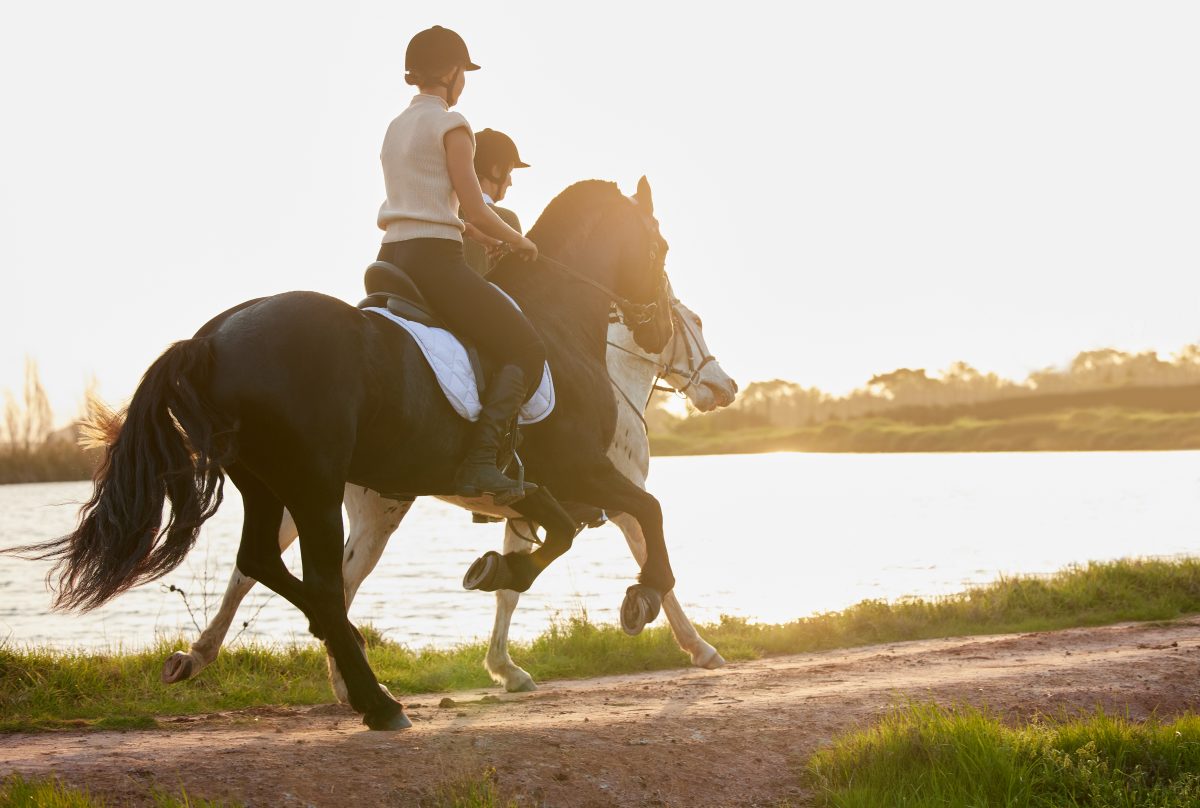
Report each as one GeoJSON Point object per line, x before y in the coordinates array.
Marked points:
{"type": "Point", "coordinates": [475, 234]}
{"type": "Point", "coordinates": [526, 249]}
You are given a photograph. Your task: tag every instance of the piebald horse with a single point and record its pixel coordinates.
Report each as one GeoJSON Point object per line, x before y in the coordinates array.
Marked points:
{"type": "Point", "coordinates": [295, 395]}
{"type": "Point", "coordinates": [686, 364]}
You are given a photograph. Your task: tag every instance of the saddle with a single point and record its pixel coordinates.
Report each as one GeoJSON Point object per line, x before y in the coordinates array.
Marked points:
{"type": "Point", "coordinates": [390, 287]}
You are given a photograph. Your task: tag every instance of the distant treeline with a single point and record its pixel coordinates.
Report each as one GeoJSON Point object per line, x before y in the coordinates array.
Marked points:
{"type": "Point", "coordinates": [1103, 400]}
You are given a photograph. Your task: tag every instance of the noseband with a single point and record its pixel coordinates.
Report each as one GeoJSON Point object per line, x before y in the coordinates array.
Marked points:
{"type": "Point", "coordinates": [680, 321]}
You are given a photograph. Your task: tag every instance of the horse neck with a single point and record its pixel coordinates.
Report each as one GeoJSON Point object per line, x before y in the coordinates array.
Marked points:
{"type": "Point", "coordinates": [570, 315]}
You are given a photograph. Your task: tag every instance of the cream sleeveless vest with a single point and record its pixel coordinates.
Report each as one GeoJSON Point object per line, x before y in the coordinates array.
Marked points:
{"type": "Point", "coordinates": [421, 202]}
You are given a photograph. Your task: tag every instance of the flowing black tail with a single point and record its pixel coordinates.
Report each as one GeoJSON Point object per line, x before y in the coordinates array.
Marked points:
{"type": "Point", "coordinates": [171, 446]}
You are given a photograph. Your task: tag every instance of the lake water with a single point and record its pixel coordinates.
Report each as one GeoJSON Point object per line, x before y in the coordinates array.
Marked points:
{"type": "Point", "coordinates": [768, 537]}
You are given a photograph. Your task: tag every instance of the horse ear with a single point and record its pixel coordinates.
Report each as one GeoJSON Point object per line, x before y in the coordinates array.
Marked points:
{"type": "Point", "coordinates": [643, 197]}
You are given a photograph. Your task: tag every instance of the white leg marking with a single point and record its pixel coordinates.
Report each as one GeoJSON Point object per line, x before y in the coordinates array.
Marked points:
{"type": "Point", "coordinates": [498, 663]}
{"type": "Point", "coordinates": [204, 650]}
{"type": "Point", "coordinates": [703, 654]}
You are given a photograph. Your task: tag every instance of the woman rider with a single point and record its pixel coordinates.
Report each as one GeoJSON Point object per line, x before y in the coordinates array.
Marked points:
{"type": "Point", "coordinates": [429, 175]}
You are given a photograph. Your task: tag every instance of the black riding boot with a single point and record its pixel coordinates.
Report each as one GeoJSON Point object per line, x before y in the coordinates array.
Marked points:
{"type": "Point", "coordinates": [478, 474]}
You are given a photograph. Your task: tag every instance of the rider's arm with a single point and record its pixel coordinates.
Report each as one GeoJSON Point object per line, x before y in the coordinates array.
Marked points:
{"type": "Point", "coordinates": [475, 234]}
{"type": "Point", "coordinates": [460, 162]}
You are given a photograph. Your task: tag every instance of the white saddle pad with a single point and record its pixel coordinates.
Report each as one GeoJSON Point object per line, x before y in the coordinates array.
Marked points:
{"type": "Point", "coordinates": [448, 358]}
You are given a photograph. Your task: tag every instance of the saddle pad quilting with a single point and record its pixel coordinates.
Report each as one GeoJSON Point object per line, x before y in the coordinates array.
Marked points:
{"type": "Point", "coordinates": [452, 368]}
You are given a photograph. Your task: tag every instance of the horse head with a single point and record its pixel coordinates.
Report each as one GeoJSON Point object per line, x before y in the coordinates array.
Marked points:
{"type": "Point", "coordinates": [691, 368]}
{"type": "Point", "coordinates": [642, 270]}
{"type": "Point", "coordinates": [598, 248]}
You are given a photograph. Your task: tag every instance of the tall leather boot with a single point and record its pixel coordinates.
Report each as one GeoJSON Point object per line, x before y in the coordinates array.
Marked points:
{"type": "Point", "coordinates": [478, 473]}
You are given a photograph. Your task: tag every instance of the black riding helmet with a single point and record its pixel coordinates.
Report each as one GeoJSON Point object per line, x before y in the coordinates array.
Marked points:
{"type": "Point", "coordinates": [495, 150]}
{"type": "Point", "coordinates": [433, 51]}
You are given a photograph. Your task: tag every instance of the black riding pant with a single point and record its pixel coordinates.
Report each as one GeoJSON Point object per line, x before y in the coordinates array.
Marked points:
{"type": "Point", "coordinates": [471, 307]}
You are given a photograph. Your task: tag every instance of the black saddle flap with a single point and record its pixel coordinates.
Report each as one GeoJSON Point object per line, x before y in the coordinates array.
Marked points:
{"type": "Point", "coordinates": [390, 287]}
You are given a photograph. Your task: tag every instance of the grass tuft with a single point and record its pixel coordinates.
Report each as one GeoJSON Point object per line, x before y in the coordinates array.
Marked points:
{"type": "Point", "coordinates": [17, 792]}
{"type": "Point", "coordinates": [923, 756]}
{"type": "Point", "coordinates": [469, 792]}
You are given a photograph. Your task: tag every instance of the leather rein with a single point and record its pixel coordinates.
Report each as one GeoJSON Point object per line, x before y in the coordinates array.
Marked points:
{"type": "Point", "coordinates": [630, 314]}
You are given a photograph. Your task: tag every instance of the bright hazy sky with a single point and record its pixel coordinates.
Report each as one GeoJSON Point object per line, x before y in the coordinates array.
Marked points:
{"type": "Point", "coordinates": [847, 187]}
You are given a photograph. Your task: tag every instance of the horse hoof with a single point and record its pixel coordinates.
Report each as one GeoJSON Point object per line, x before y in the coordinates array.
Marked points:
{"type": "Point", "coordinates": [640, 607]}
{"type": "Point", "coordinates": [709, 658]}
{"type": "Point", "coordinates": [483, 573]}
{"type": "Point", "coordinates": [521, 684]}
{"type": "Point", "coordinates": [391, 722]}
{"type": "Point", "coordinates": [178, 667]}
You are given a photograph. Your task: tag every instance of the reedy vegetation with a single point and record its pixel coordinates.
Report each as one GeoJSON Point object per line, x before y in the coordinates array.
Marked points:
{"type": "Point", "coordinates": [30, 449]}
{"type": "Point", "coordinates": [44, 688]}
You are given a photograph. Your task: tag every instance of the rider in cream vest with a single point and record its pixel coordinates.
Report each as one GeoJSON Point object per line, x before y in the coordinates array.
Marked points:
{"type": "Point", "coordinates": [429, 176]}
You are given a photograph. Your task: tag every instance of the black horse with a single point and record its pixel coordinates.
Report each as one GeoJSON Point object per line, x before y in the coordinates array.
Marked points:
{"type": "Point", "coordinates": [297, 394]}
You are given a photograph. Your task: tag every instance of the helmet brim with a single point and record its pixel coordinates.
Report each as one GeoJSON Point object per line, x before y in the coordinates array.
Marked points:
{"type": "Point", "coordinates": [471, 66]}
{"type": "Point", "coordinates": [520, 164]}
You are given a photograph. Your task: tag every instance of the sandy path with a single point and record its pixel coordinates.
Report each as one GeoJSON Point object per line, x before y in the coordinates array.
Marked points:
{"type": "Point", "coordinates": [736, 736]}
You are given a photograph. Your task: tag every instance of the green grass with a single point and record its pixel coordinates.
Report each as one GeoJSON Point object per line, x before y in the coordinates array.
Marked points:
{"type": "Point", "coordinates": [926, 756]}
{"type": "Point", "coordinates": [17, 792]}
{"type": "Point", "coordinates": [48, 689]}
{"type": "Point", "coordinates": [1105, 429]}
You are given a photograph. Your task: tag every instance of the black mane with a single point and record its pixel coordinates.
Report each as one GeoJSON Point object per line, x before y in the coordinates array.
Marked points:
{"type": "Point", "coordinates": [559, 232]}
{"type": "Point", "coordinates": [579, 204]}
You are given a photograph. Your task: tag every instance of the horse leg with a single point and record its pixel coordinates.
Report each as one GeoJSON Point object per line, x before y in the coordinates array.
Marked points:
{"type": "Point", "coordinates": [492, 572]}
{"type": "Point", "coordinates": [497, 662]}
{"type": "Point", "coordinates": [373, 520]}
{"type": "Point", "coordinates": [609, 489]}
{"type": "Point", "coordinates": [702, 653]}
{"type": "Point", "coordinates": [320, 595]}
{"type": "Point", "coordinates": [180, 666]}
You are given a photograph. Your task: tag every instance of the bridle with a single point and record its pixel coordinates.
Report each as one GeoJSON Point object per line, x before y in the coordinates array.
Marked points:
{"type": "Point", "coordinates": [664, 369]}
{"type": "Point", "coordinates": [680, 321]}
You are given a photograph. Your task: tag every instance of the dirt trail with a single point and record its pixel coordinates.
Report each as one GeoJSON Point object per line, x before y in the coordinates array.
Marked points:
{"type": "Point", "coordinates": [733, 737]}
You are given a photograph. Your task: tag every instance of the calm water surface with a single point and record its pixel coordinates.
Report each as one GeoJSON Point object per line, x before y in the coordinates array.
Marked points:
{"type": "Point", "coordinates": [769, 537]}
